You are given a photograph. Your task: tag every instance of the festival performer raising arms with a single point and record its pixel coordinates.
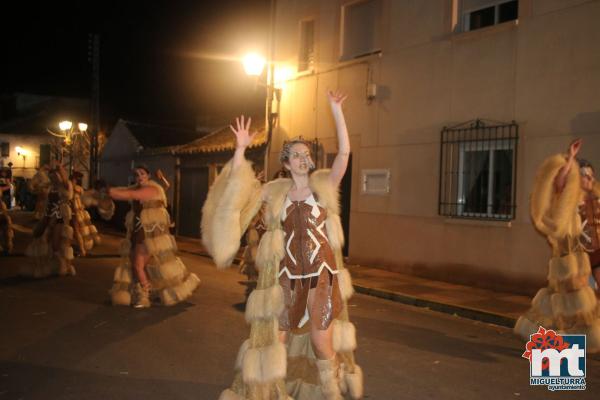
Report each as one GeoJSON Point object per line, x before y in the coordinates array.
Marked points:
{"type": "Point", "coordinates": [148, 262]}
{"type": "Point", "coordinates": [298, 311]}
{"type": "Point", "coordinates": [568, 304]}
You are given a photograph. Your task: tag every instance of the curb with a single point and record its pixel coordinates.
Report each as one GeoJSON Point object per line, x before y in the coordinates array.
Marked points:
{"type": "Point", "coordinates": [465, 312]}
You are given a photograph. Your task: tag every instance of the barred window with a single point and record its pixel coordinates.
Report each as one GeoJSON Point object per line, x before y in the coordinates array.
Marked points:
{"type": "Point", "coordinates": [478, 170]}
{"type": "Point", "coordinates": [478, 14]}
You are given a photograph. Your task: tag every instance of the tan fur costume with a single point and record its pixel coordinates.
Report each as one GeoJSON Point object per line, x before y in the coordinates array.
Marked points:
{"type": "Point", "coordinates": [46, 261]}
{"type": "Point", "coordinates": [6, 230]}
{"type": "Point", "coordinates": [267, 369]}
{"type": "Point", "coordinates": [40, 186]}
{"type": "Point", "coordinates": [168, 275]}
{"type": "Point", "coordinates": [84, 231]}
{"type": "Point", "coordinates": [568, 304]}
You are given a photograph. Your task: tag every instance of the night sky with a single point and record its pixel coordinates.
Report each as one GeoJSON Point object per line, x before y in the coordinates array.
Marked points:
{"type": "Point", "coordinates": [166, 62]}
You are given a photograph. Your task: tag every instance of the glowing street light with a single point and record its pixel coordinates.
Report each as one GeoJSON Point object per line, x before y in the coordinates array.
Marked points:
{"type": "Point", "coordinates": [254, 64]}
{"type": "Point", "coordinates": [65, 125]}
{"type": "Point", "coordinates": [68, 134]}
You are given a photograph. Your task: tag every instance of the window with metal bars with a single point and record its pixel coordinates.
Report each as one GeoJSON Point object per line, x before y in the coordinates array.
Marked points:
{"type": "Point", "coordinates": [478, 170]}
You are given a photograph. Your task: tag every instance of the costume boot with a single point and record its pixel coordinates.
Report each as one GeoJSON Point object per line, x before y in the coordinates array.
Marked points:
{"type": "Point", "coordinates": [141, 296]}
{"type": "Point", "coordinates": [328, 375]}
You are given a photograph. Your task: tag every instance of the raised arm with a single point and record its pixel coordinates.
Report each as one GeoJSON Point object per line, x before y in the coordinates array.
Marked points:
{"type": "Point", "coordinates": [143, 193]}
{"type": "Point", "coordinates": [340, 164]}
{"type": "Point", "coordinates": [561, 177]}
{"type": "Point", "coordinates": [162, 179]}
{"type": "Point", "coordinates": [243, 139]}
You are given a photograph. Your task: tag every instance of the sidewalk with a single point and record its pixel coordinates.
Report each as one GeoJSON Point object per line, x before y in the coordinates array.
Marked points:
{"type": "Point", "coordinates": [497, 308]}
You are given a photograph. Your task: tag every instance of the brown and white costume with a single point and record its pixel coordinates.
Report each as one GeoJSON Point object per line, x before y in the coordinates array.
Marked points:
{"type": "Point", "coordinates": [253, 234]}
{"type": "Point", "coordinates": [589, 211]}
{"type": "Point", "coordinates": [84, 230]}
{"type": "Point", "coordinates": [6, 230]}
{"type": "Point", "coordinates": [568, 304]}
{"type": "Point", "coordinates": [40, 186]}
{"type": "Point", "coordinates": [301, 247]}
{"type": "Point", "coordinates": [57, 215]}
{"type": "Point", "coordinates": [148, 222]}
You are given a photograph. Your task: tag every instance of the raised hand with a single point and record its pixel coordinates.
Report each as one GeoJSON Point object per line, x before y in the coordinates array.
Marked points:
{"type": "Point", "coordinates": [242, 132]}
{"type": "Point", "coordinates": [336, 98]}
{"type": "Point", "coordinates": [574, 147]}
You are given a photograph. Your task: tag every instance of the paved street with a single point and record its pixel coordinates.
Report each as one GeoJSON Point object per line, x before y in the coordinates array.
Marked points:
{"type": "Point", "coordinates": [61, 339]}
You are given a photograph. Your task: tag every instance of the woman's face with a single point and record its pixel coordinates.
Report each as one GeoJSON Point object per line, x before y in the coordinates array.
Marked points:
{"type": "Point", "coordinates": [299, 162]}
{"type": "Point", "coordinates": [141, 176]}
{"type": "Point", "coordinates": [587, 179]}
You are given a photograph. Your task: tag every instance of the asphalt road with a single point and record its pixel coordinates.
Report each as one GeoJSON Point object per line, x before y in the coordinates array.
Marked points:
{"type": "Point", "coordinates": [61, 339]}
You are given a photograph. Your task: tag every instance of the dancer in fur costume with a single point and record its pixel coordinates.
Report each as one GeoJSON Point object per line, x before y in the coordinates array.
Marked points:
{"type": "Point", "coordinates": [84, 230]}
{"type": "Point", "coordinates": [148, 259]}
{"type": "Point", "coordinates": [40, 186]}
{"type": "Point", "coordinates": [589, 211]}
{"type": "Point", "coordinates": [50, 250]}
{"type": "Point", "coordinates": [568, 305]}
{"type": "Point", "coordinates": [301, 343]}
{"type": "Point", "coordinates": [6, 229]}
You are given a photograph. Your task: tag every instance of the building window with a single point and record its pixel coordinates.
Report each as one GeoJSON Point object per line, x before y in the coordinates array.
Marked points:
{"type": "Point", "coordinates": [45, 154]}
{"type": "Point", "coordinates": [361, 23]}
{"type": "Point", "coordinates": [306, 59]}
{"type": "Point", "coordinates": [481, 13]}
{"type": "Point", "coordinates": [478, 165]}
{"type": "Point", "coordinates": [4, 149]}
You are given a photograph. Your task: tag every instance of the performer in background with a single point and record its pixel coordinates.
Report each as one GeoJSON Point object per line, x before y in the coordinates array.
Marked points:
{"type": "Point", "coordinates": [589, 210]}
{"type": "Point", "coordinates": [6, 229]}
{"type": "Point", "coordinates": [299, 305]}
{"type": "Point", "coordinates": [40, 186]}
{"type": "Point", "coordinates": [568, 304]}
{"type": "Point", "coordinates": [51, 251]}
{"type": "Point", "coordinates": [84, 230]}
{"type": "Point", "coordinates": [149, 264]}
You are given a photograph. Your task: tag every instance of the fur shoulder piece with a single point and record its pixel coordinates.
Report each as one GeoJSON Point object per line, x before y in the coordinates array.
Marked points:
{"type": "Point", "coordinates": [327, 193]}
{"type": "Point", "coordinates": [274, 195]}
{"type": "Point", "coordinates": [161, 192]}
{"type": "Point", "coordinates": [231, 203]}
{"type": "Point", "coordinates": [552, 213]}
{"type": "Point", "coordinates": [39, 182]}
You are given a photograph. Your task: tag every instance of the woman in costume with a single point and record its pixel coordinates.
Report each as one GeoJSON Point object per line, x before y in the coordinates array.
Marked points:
{"type": "Point", "coordinates": [589, 211]}
{"type": "Point", "coordinates": [6, 229]}
{"type": "Point", "coordinates": [568, 304]}
{"type": "Point", "coordinates": [149, 264]}
{"type": "Point", "coordinates": [84, 230]}
{"type": "Point", "coordinates": [51, 250]}
{"type": "Point", "coordinates": [40, 186]}
{"type": "Point", "coordinates": [301, 343]}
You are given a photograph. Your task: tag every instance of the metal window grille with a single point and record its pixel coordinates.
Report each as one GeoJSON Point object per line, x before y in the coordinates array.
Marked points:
{"type": "Point", "coordinates": [478, 170]}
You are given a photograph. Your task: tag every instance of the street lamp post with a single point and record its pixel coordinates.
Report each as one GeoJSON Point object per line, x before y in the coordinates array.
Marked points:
{"type": "Point", "coordinates": [68, 135]}
{"type": "Point", "coordinates": [254, 65]}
